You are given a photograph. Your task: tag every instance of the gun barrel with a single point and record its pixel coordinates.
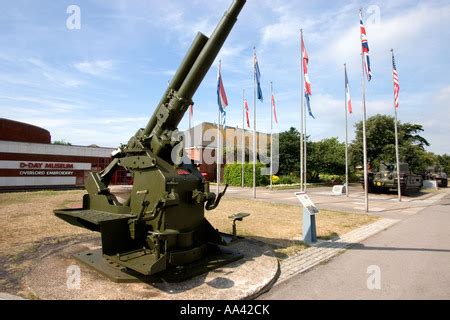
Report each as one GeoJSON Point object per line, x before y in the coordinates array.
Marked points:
{"type": "Point", "coordinates": [191, 73]}
{"type": "Point", "coordinates": [210, 51]}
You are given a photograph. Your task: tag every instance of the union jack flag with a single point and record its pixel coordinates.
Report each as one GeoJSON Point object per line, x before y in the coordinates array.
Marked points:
{"type": "Point", "coordinates": [396, 82]}
{"type": "Point", "coordinates": [365, 48]}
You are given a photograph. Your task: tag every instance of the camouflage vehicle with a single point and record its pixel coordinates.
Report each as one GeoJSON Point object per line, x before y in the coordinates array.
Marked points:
{"type": "Point", "coordinates": [385, 179]}
{"type": "Point", "coordinates": [437, 173]}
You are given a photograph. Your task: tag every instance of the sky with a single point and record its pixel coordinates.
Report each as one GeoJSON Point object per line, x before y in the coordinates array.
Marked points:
{"type": "Point", "coordinates": [100, 83]}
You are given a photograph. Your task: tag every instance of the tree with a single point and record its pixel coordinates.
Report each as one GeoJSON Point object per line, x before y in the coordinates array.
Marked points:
{"type": "Point", "coordinates": [381, 143]}
{"type": "Point", "coordinates": [326, 157]}
{"type": "Point", "coordinates": [444, 161]}
{"type": "Point", "coordinates": [289, 150]}
{"type": "Point", "coordinates": [62, 142]}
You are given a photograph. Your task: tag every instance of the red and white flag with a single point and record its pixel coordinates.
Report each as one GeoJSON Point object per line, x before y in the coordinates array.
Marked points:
{"type": "Point", "coordinates": [274, 109]}
{"type": "Point", "coordinates": [305, 61]}
{"type": "Point", "coordinates": [246, 113]}
{"type": "Point", "coordinates": [347, 94]}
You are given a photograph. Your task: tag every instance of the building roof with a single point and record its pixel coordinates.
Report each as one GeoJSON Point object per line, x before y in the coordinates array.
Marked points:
{"type": "Point", "coordinates": [11, 130]}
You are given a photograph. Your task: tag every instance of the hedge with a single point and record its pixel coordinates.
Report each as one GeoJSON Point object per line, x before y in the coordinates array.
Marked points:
{"type": "Point", "coordinates": [233, 175]}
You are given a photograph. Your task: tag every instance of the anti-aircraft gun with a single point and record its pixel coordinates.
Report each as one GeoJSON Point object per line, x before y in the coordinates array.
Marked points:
{"type": "Point", "coordinates": [161, 227]}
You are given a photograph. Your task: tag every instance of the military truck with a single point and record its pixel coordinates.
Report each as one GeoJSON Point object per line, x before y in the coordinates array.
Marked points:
{"type": "Point", "coordinates": [385, 179]}
{"type": "Point", "coordinates": [437, 173]}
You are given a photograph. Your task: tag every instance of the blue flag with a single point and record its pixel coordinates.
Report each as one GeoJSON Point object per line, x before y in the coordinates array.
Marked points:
{"type": "Point", "coordinates": [308, 104]}
{"type": "Point", "coordinates": [258, 78]}
{"type": "Point", "coordinates": [224, 118]}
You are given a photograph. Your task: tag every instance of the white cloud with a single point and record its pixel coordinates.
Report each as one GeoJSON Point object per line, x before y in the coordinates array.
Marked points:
{"type": "Point", "coordinates": [169, 72]}
{"type": "Point", "coordinates": [47, 104]}
{"type": "Point", "coordinates": [409, 32]}
{"type": "Point", "coordinates": [56, 75]}
{"type": "Point", "coordinates": [95, 68]}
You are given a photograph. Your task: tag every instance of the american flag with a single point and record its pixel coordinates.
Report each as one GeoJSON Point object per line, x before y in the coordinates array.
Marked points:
{"type": "Point", "coordinates": [396, 82]}
{"type": "Point", "coordinates": [191, 110]}
{"type": "Point", "coordinates": [274, 109]}
{"type": "Point", "coordinates": [246, 113]}
{"type": "Point", "coordinates": [222, 100]}
{"type": "Point", "coordinates": [308, 91]}
{"type": "Point", "coordinates": [365, 48]}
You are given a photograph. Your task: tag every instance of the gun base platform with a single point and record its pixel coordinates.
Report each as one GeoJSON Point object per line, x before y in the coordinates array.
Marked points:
{"type": "Point", "coordinates": [217, 258]}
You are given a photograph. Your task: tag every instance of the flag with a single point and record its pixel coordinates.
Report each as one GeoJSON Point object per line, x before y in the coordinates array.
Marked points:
{"type": "Point", "coordinates": [257, 77]}
{"type": "Point", "coordinates": [222, 100]}
{"type": "Point", "coordinates": [274, 109]}
{"type": "Point", "coordinates": [308, 91]}
{"type": "Point", "coordinates": [191, 110]}
{"type": "Point", "coordinates": [347, 94]}
{"type": "Point", "coordinates": [396, 82]}
{"type": "Point", "coordinates": [365, 48]}
{"type": "Point", "coordinates": [246, 113]}
{"type": "Point", "coordinates": [224, 118]}
{"type": "Point", "coordinates": [305, 61]}
{"type": "Point", "coordinates": [308, 104]}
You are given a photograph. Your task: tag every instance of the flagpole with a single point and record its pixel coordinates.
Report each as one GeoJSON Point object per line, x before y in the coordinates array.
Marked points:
{"type": "Point", "coordinates": [305, 139]}
{"type": "Point", "coordinates": [190, 118]}
{"type": "Point", "coordinates": [271, 134]}
{"type": "Point", "coordinates": [243, 138]}
{"type": "Point", "coordinates": [254, 124]}
{"type": "Point", "coordinates": [301, 111]}
{"type": "Point", "coordinates": [218, 141]}
{"type": "Point", "coordinates": [346, 132]}
{"type": "Point", "coordinates": [218, 152]}
{"type": "Point", "coordinates": [397, 154]}
{"type": "Point", "coordinates": [366, 176]}
{"type": "Point", "coordinates": [190, 128]}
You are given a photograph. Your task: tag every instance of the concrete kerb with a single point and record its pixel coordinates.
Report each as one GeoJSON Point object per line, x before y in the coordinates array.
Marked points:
{"type": "Point", "coordinates": [324, 251]}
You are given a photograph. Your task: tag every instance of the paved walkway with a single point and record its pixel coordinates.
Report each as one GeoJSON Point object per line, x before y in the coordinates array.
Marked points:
{"type": "Point", "coordinates": [385, 205]}
{"type": "Point", "coordinates": [324, 251]}
{"type": "Point", "coordinates": [413, 258]}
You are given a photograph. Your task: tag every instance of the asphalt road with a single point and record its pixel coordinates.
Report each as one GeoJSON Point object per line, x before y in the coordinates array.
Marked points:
{"type": "Point", "coordinates": [412, 257]}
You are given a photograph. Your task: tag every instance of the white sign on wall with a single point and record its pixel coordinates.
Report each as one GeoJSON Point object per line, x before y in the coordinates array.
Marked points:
{"type": "Point", "coordinates": [42, 165]}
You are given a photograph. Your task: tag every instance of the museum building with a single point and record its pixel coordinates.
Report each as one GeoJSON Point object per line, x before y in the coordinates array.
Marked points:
{"type": "Point", "coordinates": [28, 160]}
